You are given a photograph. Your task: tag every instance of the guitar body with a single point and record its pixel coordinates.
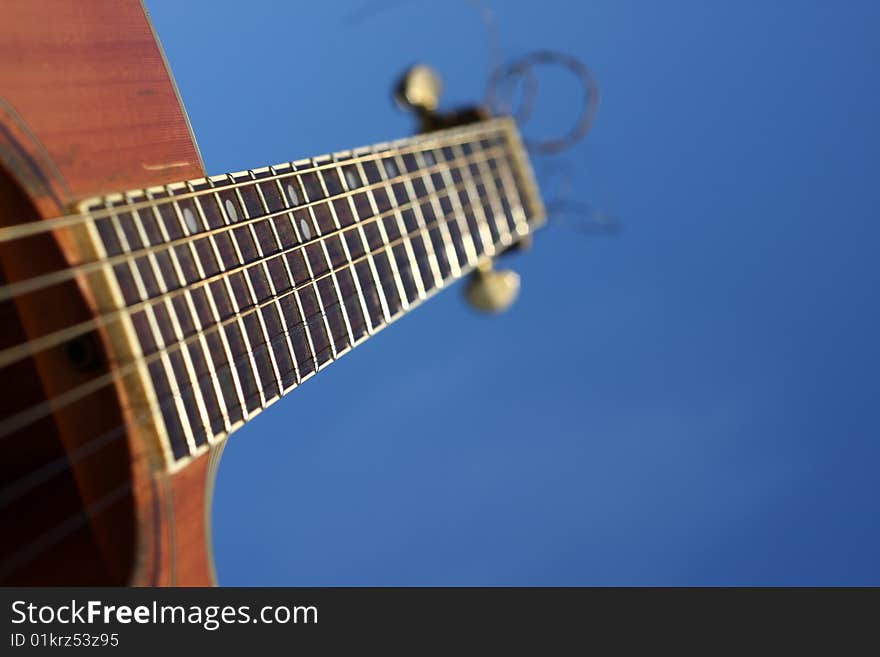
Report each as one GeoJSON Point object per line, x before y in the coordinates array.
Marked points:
{"type": "Point", "coordinates": [87, 106]}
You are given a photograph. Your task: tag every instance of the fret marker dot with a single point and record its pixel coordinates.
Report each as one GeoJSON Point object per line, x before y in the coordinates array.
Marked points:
{"type": "Point", "coordinates": [190, 219]}
{"type": "Point", "coordinates": [230, 210]}
{"type": "Point", "coordinates": [429, 158]}
{"type": "Point", "coordinates": [390, 168]}
{"type": "Point", "coordinates": [306, 231]}
{"type": "Point", "coordinates": [352, 179]}
{"type": "Point", "coordinates": [291, 194]}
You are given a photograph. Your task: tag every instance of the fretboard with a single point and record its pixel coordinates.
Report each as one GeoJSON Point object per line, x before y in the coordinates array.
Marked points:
{"type": "Point", "coordinates": [238, 288]}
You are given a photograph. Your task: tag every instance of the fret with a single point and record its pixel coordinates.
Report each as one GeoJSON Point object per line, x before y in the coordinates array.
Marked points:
{"type": "Point", "coordinates": [207, 215]}
{"type": "Point", "coordinates": [473, 180]}
{"type": "Point", "coordinates": [496, 201]}
{"type": "Point", "coordinates": [512, 194]}
{"type": "Point", "coordinates": [298, 263]}
{"type": "Point", "coordinates": [331, 185]}
{"type": "Point", "coordinates": [284, 356]}
{"type": "Point", "coordinates": [374, 239]}
{"type": "Point", "coordinates": [349, 286]}
{"type": "Point", "coordinates": [267, 368]}
{"type": "Point", "coordinates": [461, 174]}
{"type": "Point", "coordinates": [280, 279]}
{"type": "Point", "coordinates": [402, 256]}
{"type": "Point", "coordinates": [193, 403]}
{"type": "Point", "coordinates": [180, 376]}
{"type": "Point", "coordinates": [335, 252]}
{"type": "Point", "coordinates": [228, 380]}
{"type": "Point", "coordinates": [209, 209]}
{"type": "Point", "coordinates": [180, 438]}
{"type": "Point", "coordinates": [232, 325]}
{"type": "Point", "coordinates": [451, 219]}
{"type": "Point", "coordinates": [442, 212]}
{"type": "Point", "coordinates": [374, 202]}
{"type": "Point", "coordinates": [215, 351]}
{"type": "Point", "coordinates": [491, 171]}
{"type": "Point", "coordinates": [431, 221]}
{"type": "Point", "coordinates": [200, 259]}
{"type": "Point", "coordinates": [477, 226]}
{"type": "Point", "coordinates": [393, 195]}
{"type": "Point", "coordinates": [423, 213]}
{"type": "Point", "coordinates": [372, 268]}
{"type": "Point", "coordinates": [469, 248]}
{"type": "Point", "coordinates": [250, 252]}
{"type": "Point", "coordinates": [523, 182]}
{"type": "Point", "coordinates": [333, 308]}
{"type": "Point", "coordinates": [171, 417]}
{"type": "Point", "coordinates": [143, 266]}
{"type": "Point", "coordinates": [489, 196]}
{"type": "Point", "coordinates": [243, 362]}
{"type": "Point", "coordinates": [181, 315]}
{"type": "Point", "coordinates": [290, 306]}
{"type": "Point", "coordinates": [299, 334]}
{"type": "Point", "coordinates": [242, 296]}
{"type": "Point", "coordinates": [257, 274]}
{"type": "Point", "coordinates": [315, 318]}
{"type": "Point", "coordinates": [107, 235]}
{"type": "Point", "coordinates": [356, 207]}
{"type": "Point", "coordinates": [175, 226]}
{"type": "Point", "coordinates": [318, 220]}
{"type": "Point", "coordinates": [354, 179]}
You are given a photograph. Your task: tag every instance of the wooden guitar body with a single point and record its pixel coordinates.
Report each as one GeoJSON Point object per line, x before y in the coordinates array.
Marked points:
{"type": "Point", "coordinates": [147, 311]}
{"type": "Point", "coordinates": [87, 107]}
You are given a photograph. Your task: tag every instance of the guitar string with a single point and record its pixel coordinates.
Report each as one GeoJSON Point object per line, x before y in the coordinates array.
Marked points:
{"type": "Point", "coordinates": [26, 483]}
{"type": "Point", "coordinates": [35, 345]}
{"type": "Point", "coordinates": [36, 412]}
{"type": "Point", "coordinates": [39, 282]}
{"type": "Point", "coordinates": [412, 144]}
{"type": "Point", "coordinates": [407, 267]}
{"type": "Point", "coordinates": [47, 470]}
{"type": "Point", "coordinates": [49, 538]}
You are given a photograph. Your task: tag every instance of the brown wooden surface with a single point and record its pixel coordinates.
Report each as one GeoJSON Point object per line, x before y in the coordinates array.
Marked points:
{"type": "Point", "coordinates": [89, 80]}
{"type": "Point", "coordinates": [87, 107]}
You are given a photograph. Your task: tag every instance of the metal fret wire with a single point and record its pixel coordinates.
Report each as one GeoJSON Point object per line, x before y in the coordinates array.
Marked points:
{"type": "Point", "coordinates": [36, 412]}
{"type": "Point", "coordinates": [245, 335]}
{"type": "Point", "coordinates": [331, 271]}
{"type": "Point", "coordinates": [281, 318]}
{"type": "Point", "coordinates": [212, 302]}
{"type": "Point", "coordinates": [151, 317]}
{"type": "Point", "coordinates": [191, 308]}
{"type": "Point", "coordinates": [374, 208]}
{"type": "Point", "coordinates": [35, 345]}
{"type": "Point", "coordinates": [49, 538]}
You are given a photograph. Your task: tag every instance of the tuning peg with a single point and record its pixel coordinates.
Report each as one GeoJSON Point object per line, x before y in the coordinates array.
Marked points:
{"type": "Point", "coordinates": [491, 291]}
{"type": "Point", "coordinates": [419, 89]}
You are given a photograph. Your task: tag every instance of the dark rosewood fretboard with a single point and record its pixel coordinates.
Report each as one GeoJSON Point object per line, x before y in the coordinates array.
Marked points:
{"type": "Point", "coordinates": [237, 288]}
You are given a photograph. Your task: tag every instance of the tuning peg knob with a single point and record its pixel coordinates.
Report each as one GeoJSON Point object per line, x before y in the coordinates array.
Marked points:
{"type": "Point", "coordinates": [492, 291]}
{"type": "Point", "coordinates": [419, 89]}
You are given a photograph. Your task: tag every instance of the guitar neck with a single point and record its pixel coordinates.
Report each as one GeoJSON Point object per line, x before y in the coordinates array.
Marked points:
{"type": "Point", "coordinates": [235, 289]}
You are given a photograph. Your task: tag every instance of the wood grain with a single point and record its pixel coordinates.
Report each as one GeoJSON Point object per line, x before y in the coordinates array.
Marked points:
{"type": "Point", "coordinates": [87, 108]}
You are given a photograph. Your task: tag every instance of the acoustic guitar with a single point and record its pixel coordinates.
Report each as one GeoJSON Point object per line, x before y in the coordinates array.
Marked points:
{"type": "Point", "coordinates": [149, 310]}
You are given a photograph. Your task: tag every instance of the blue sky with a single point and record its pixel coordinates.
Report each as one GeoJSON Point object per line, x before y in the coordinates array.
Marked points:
{"type": "Point", "coordinates": [693, 401]}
